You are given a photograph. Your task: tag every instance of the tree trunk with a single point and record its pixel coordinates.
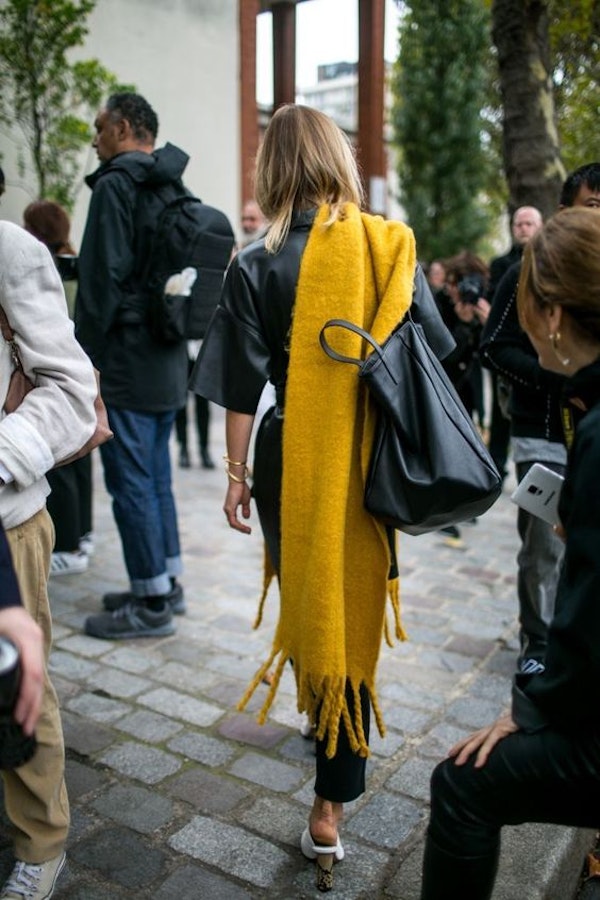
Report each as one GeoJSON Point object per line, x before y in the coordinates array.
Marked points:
{"type": "Point", "coordinates": [532, 162]}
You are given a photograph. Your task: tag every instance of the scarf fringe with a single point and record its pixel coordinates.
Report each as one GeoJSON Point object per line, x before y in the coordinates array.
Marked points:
{"type": "Point", "coordinates": [269, 574]}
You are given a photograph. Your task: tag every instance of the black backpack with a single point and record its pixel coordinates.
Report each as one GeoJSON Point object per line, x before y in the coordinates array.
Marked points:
{"type": "Point", "coordinates": [185, 232]}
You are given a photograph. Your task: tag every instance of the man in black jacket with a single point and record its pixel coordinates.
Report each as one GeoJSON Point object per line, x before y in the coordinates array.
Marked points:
{"type": "Point", "coordinates": [537, 436]}
{"type": "Point", "coordinates": [143, 381]}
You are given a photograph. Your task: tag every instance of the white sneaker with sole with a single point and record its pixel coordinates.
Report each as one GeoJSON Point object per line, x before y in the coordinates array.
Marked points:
{"type": "Point", "coordinates": [86, 544]}
{"type": "Point", "coordinates": [68, 563]}
{"type": "Point", "coordinates": [33, 881]}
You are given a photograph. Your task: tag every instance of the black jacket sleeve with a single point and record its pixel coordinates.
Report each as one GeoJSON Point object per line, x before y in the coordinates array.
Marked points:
{"type": "Point", "coordinates": [106, 261]}
{"type": "Point", "coordinates": [234, 362]}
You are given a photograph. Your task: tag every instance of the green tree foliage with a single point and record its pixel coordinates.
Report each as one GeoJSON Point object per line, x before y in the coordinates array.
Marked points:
{"type": "Point", "coordinates": [440, 126]}
{"type": "Point", "coordinates": [575, 44]}
{"type": "Point", "coordinates": [48, 97]}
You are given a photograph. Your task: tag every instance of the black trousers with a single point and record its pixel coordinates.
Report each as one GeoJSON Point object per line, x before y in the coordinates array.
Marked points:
{"type": "Point", "coordinates": [548, 776]}
{"type": "Point", "coordinates": [342, 778]}
{"type": "Point", "coordinates": [70, 503]}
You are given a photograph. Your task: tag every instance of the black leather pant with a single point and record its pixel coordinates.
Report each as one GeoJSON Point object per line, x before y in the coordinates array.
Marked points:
{"type": "Point", "coordinates": [548, 776]}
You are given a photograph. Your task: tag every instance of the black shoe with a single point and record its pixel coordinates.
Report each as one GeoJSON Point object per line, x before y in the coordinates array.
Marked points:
{"type": "Point", "coordinates": [174, 598]}
{"type": "Point", "coordinates": [207, 461]}
{"type": "Point", "coordinates": [134, 620]}
{"type": "Point", "coordinates": [184, 459]}
{"type": "Point", "coordinates": [450, 531]}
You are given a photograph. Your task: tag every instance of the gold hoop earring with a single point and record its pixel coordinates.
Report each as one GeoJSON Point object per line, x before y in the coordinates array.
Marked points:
{"type": "Point", "coordinates": [555, 341]}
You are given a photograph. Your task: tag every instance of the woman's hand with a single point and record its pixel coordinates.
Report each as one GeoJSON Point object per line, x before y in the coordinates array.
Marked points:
{"type": "Point", "coordinates": [484, 741]}
{"type": "Point", "coordinates": [238, 495]}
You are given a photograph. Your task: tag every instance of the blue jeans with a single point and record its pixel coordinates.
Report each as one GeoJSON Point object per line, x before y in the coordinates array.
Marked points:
{"type": "Point", "coordinates": [539, 561]}
{"type": "Point", "coordinates": [137, 473]}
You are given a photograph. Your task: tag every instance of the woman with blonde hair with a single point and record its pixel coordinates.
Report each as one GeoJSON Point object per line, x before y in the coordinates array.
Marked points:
{"type": "Point", "coordinates": [321, 258]}
{"type": "Point", "coordinates": [541, 761]}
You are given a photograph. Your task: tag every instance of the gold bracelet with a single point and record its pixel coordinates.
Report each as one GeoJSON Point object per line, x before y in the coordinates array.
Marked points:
{"type": "Point", "coordinates": [236, 478]}
{"type": "Point", "coordinates": [231, 462]}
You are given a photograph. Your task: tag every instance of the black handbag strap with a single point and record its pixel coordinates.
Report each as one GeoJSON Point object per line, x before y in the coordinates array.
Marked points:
{"type": "Point", "coordinates": [349, 326]}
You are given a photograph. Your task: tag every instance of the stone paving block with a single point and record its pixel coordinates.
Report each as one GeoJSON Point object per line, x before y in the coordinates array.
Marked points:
{"type": "Point", "coordinates": [474, 712]}
{"type": "Point", "coordinates": [202, 748]}
{"type": "Point", "coordinates": [100, 709]}
{"type": "Point", "coordinates": [82, 779]}
{"type": "Point", "coordinates": [83, 736]}
{"type": "Point", "coordinates": [134, 807]}
{"type": "Point", "coordinates": [69, 666]}
{"type": "Point", "coordinates": [120, 856]}
{"type": "Point", "coordinates": [181, 706]}
{"type": "Point", "coordinates": [206, 791]}
{"type": "Point", "coordinates": [385, 746]}
{"type": "Point", "coordinates": [270, 773]}
{"type": "Point", "coordinates": [491, 686]}
{"type": "Point", "coordinates": [193, 883]}
{"type": "Point", "coordinates": [232, 850]}
{"type": "Point", "coordinates": [470, 645]}
{"type": "Point", "coordinates": [409, 695]}
{"type": "Point", "coordinates": [131, 660]}
{"type": "Point", "coordinates": [407, 720]}
{"type": "Point", "coordinates": [240, 727]}
{"type": "Point", "coordinates": [276, 818]}
{"type": "Point", "coordinates": [439, 740]}
{"type": "Point", "coordinates": [186, 678]}
{"type": "Point", "coordinates": [147, 764]}
{"type": "Point", "coordinates": [412, 778]}
{"type": "Point", "coordinates": [82, 645]}
{"type": "Point", "coordinates": [149, 726]}
{"type": "Point", "coordinates": [385, 820]}
{"type": "Point", "coordinates": [445, 660]}
{"type": "Point", "coordinates": [243, 667]}
{"type": "Point", "coordinates": [228, 693]}
{"type": "Point", "coordinates": [116, 683]}
{"type": "Point", "coordinates": [299, 749]}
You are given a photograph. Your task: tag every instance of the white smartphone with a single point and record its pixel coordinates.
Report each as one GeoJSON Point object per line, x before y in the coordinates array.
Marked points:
{"type": "Point", "coordinates": [539, 493]}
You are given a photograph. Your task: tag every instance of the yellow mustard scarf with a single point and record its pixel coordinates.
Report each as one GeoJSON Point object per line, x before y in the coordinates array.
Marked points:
{"type": "Point", "coordinates": [334, 556]}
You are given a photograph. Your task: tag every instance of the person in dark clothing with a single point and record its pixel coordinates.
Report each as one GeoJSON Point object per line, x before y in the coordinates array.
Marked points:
{"type": "Point", "coordinates": [537, 435]}
{"type": "Point", "coordinates": [525, 222]}
{"type": "Point", "coordinates": [70, 499]}
{"type": "Point", "coordinates": [144, 382]}
{"type": "Point", "coordinates": [541, 761]}
{"type": "Point", "coordinates": [320, 257]}
{"type": "Point", "coordinates": [464, 308]}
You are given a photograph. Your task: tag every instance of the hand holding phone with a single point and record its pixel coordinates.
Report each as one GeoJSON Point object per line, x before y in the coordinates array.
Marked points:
{"type": "Point", "coordinates": [539, 492]}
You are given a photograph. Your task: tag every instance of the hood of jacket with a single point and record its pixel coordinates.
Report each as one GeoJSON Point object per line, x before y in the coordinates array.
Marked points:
{"type": "Point", "coordinates": [159, 167]}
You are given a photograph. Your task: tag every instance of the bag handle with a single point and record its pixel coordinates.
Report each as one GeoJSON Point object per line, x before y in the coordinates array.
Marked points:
{"type": "Point", "coordinates": [9, 336]}
{"type": "Point", "coordinates": [349, 326]}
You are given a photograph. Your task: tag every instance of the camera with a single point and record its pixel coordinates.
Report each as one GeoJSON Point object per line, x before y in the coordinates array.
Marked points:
{"type": "Point", "coordinates": [16, 747]}
{"type": "Point", "coordinates": [471, 288]}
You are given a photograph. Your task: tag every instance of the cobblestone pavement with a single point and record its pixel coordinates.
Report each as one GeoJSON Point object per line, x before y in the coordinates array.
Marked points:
{"type": "Point", "coordinates": [176, 795]}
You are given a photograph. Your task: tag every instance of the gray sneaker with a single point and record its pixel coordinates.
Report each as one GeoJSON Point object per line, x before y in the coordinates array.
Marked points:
{"type": "Point", "coordinates": [175, 598]}
{"type": "Point", "coordinates": [134, 620]}
{"type": "Point", "coordinates": [33, 881]}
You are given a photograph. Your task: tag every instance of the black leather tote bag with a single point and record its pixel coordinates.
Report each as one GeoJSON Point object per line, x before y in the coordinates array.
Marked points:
{"type": "Point", "coordinates": [429, 467]}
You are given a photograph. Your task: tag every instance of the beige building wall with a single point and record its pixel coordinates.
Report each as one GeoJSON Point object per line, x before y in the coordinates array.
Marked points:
{"type": "Point", "coordinates": [182, 55]}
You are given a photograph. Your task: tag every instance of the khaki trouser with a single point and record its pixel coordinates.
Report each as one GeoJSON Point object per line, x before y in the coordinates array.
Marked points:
{"type": "Point", "coordinates": [35, 794]}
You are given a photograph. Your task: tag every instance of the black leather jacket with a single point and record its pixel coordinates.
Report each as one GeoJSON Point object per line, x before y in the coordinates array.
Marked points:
{"type": "Point", "coordinates": [247, 339]}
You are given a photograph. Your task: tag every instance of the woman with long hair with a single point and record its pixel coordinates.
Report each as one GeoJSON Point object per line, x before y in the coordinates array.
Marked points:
{"type": "Point", "coordinates": [541, 761]}
{"type": "Point", "coordinates": [321, 258]}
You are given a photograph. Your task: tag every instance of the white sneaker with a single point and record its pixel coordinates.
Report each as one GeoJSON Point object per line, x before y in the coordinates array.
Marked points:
{"type": "Point", "coordinates": [86, 544]}
{"type": "Point", "coordinates": [307, 729]}
{"type": "Point", "coordinates": [68, 563]}
{"type": "Point", "coordinates": [33, 881]}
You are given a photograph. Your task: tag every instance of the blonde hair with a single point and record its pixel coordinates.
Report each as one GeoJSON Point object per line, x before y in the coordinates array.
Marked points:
{"type": "Point", "coordinates": [304, 161]}
{"type": "Point", "coordinates": [561, 267]}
